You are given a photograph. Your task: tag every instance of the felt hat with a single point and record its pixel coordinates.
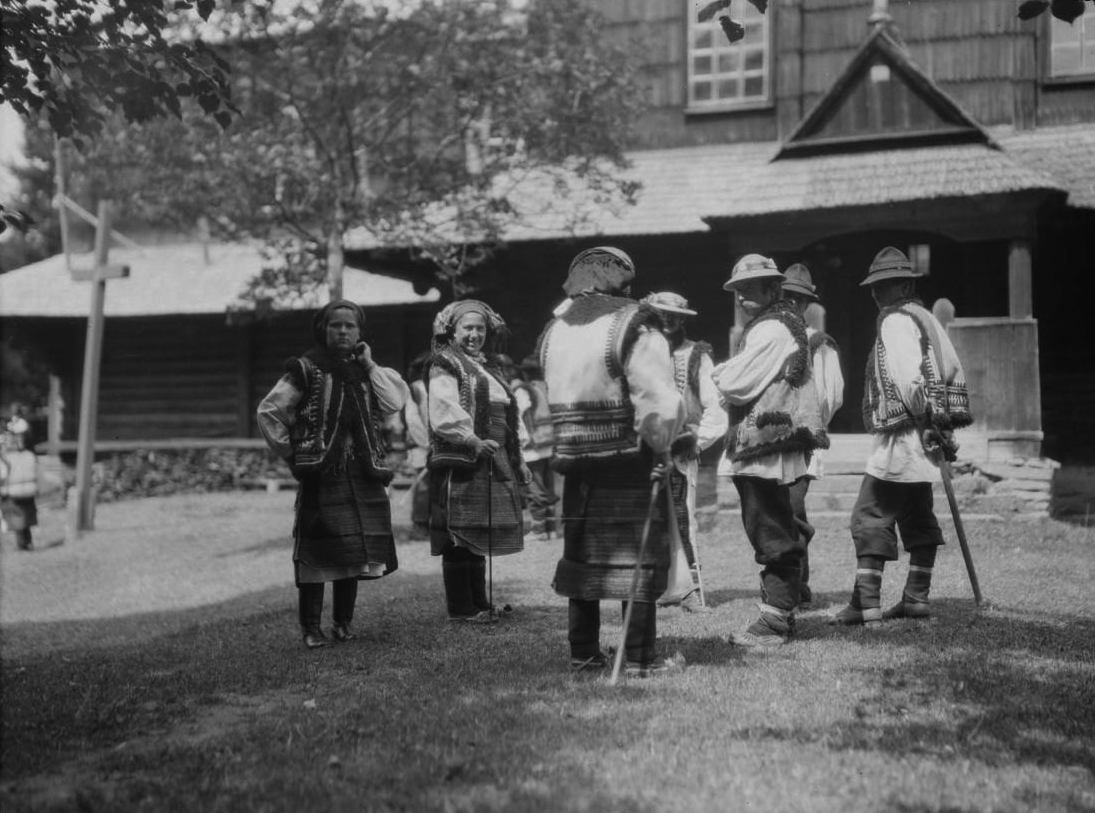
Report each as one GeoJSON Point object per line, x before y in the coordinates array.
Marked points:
{"type": "Point", "coordinates": [604, 269]}
{"type": "Point", "coordinates": [668, 302]}
{"type": "Point", "coordinates": [752, 266]}
{"type": "Point", "coordinates": [889, 263]}
{"type": "Point", "coordinates": [799, 281]}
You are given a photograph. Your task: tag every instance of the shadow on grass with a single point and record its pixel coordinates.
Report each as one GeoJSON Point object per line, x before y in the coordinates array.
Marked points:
{"type": "Point", "coordinates": [1019, 690]}
{"type": "Point", "coordinates": [208, 709]}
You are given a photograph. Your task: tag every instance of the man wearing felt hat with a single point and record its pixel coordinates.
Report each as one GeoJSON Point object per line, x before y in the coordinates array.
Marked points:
{"type": "Point", "coordinates": [800, 291]}
{"type": "Point", "coordinates": [775, 424]}
{"type": "Point", "coordinates": [915, 395]}
{"type": "Point", "coordinates": [705, 422]}
{"type": "Point", "coordinates": [616, 411]}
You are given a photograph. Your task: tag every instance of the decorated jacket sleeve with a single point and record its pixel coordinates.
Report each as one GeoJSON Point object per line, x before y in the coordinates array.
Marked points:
{"type": "Point", "coordinates": [448, 420]}
{"type": "Point", "coordinates": [714, 421]}
{"type": "Point", "coordinates": [901, 339]}
{"type": "Point", "coordinates": [829, 382]}
{"type": "Point", "coordinates": [659, 410]}
{"type": "Point", "coordinates": [746, 375]}
{"type": "Point", "coordinates": [390, 388]}
{"type": "Point", "coordinates": [276, 415]}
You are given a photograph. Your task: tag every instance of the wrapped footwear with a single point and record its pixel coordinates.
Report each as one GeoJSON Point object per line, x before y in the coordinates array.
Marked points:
{"type": "Point", "coordinates": [908, 609]}
{"type": "Point", "coordinates": [657, 667]}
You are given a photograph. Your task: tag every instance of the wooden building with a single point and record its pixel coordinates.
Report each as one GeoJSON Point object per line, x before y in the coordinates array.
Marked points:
{"type": "Point", "coordinates": [177, 364]}
{"type": "Point", "coordinates": [952, 130]}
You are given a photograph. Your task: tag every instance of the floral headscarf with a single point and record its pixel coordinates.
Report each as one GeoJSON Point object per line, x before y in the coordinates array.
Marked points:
{"type": "Point", "coordinates": [444, 324]}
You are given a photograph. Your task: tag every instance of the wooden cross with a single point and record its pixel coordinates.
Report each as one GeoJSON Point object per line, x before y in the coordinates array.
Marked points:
{"type": "Point", "coordinates": [97, 275]}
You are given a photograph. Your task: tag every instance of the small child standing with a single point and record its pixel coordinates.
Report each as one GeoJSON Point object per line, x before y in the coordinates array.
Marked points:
{"type": "Point", "coordinates": [18, 483]}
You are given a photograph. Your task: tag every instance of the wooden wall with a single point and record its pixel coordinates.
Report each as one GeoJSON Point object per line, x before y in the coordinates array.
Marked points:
{"type": "Point", "coordinates": [198, 376]}
{"type": "Point", "coordinates": [977, 51]}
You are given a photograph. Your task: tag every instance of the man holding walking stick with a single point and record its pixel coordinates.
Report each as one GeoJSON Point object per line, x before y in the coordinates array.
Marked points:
{"type": "Point", "coordinates": [616, 411]}
{"type": "Point", "coordinates": [914, 397]}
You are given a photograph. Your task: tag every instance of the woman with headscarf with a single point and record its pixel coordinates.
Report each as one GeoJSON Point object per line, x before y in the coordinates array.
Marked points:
{"type": "Point", "coordinates": [324, 417]}
{"type": "Point", "coordinates": [475, 456]}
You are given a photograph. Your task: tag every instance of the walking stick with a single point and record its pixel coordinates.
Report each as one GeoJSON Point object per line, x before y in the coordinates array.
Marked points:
{"type": "Point", "coordinates": [490, 534]}
{"type": "Point", "coordinates": [618, 662]}
{"type": "Point", "coordinates": [940, 459]}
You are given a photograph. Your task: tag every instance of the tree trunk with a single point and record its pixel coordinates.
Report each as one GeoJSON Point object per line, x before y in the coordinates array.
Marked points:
{"type": "Point", "coordinates": [335, 257]}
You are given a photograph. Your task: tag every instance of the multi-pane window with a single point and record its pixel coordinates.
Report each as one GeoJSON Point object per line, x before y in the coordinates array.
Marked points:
{"type": "Point", "coordinates": [1072, 47]}
{"type": "Point", "coordinates": [721, 75]}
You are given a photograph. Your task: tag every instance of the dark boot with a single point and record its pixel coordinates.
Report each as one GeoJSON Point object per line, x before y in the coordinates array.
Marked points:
{"type": "Point", "coordinates": [584, 634]}
{"type": "Point", "coordinates": [310, 610]}
{"type": "Point", "coordinates": [345, 597]}
{"type": "Point", "coordinates": [914, 599]}
{"type": "Point", "coordinates": [458, 593]}
{"type": "Point", "coordinates": [865, 605]}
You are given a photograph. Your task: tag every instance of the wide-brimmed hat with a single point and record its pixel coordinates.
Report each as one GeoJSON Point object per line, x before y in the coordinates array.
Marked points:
{"type": "Point", "coordinates": [752, 266]}
{"type": "Point", "coordinates": [604, 269]}
{"type": "Point", "coordinates": [889, 263]}
{"type": "Point", "coordinates": [668, 302]}
{"type": "Point", "coordinates": [799, 281]}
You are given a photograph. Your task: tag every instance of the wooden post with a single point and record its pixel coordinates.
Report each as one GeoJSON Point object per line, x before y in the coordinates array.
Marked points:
{"type": "Point", "coordinates": [62, 209]}
{"type": "Point", "coordinates": [89, 391]}
{"type": "Point", "coordinates": [1020, 291]}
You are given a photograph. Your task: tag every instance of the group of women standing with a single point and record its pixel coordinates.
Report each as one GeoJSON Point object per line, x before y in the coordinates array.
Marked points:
{"type": "Point", "coordinates": [325, 417]}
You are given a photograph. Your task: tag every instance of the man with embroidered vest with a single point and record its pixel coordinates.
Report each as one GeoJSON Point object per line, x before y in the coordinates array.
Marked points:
{"type": "Point", "coordinates": [616, 411]}
{"type": "Point", "coordinates": [705, 422]}
{"type": "Point", "coordinates": [775, 424]}
{"type": "Point", "coordinates": [915, 396]}
{"type": "Point", "coordinates": [800, 291]}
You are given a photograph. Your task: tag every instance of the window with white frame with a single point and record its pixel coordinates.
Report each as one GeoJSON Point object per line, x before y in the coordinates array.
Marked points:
{"type": "Point", "coordinates": [1072, 47]}
{"type": "Point", "coordinates": [722, 76]}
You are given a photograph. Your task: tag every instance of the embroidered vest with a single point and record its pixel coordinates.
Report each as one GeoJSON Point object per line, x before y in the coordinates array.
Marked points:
{"type": "Point", "coordinates": [686, 372]}
{"type": "Point", "coordinates": [583, 353]}
{"type": "Point", "coordinates": [944, 380]}
{"type": "Point", "coordinates": [474, 389]}
{"type": "Point", "coordinates": [323, 410]}
{"type": "Point", "coordinates": [785, 417]}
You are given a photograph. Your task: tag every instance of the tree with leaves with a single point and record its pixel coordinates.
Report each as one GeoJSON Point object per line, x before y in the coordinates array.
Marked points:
{"type": "Point", "coordinates": [424, 129]}
{"type": "Point", "coordinates": [76, 62]}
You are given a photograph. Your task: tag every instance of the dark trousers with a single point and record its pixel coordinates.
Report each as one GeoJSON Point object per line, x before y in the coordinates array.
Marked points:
{"type": "Point", "coordinates": [464, 574]}
{"type": "Point", "coordinates": [541, 493]}
{"type": "Point", "coordinates": [797, 491]}
{"type": "Point", "coordinates": [584, 630]}
{"type": "Point", "coordinates": [770, 525]}
{"type": "Point", "coordinates": [883, 506]}
{"type": "Point", "coordinates": [310, 606]}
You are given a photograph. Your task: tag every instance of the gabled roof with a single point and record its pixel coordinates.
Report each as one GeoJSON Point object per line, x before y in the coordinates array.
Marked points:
{"type": "Point", "coordinates": [172, 279]}
{"type": "Point", "coordinates": [882, 98]}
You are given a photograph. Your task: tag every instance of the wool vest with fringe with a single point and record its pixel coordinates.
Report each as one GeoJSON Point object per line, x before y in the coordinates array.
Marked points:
{"type": "Point", "coordinates": [474, 388]}
{"type": "Point", "coordinates": [686, 373]}
{"type": "Point", "coordinates": [786, 417]}
{"type": "Point", "coordinates": [944, 380]}
{"type": "Point", "coordinates": [583, 354]}
{"type": "Point", "coordinates": [332, 402]}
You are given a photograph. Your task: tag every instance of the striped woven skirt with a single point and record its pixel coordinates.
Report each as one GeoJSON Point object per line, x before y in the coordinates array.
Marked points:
{"type": "Point", "coordinates": [343, 528]}
{"type": "Point", "coordinates": [479, 509]}
{"type": "Point", "coordinates": [604, 511]}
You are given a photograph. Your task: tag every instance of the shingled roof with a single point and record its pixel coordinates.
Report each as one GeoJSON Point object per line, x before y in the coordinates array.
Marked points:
{"type": "Point", "coordinates": [172, 279]}
{"type": "Point", "coordinates": [1066, 154]}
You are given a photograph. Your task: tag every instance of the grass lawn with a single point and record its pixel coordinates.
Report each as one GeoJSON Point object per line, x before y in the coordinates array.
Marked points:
{"type": "Point", "coordinates": [156, 665]}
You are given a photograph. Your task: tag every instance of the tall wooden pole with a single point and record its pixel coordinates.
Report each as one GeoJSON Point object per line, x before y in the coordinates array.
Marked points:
{"type": "Point", "coordinates": [89, 392]}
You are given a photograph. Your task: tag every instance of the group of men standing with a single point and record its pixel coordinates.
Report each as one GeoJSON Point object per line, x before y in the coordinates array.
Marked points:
{"type": "Point", "coordinates": [633, 402]}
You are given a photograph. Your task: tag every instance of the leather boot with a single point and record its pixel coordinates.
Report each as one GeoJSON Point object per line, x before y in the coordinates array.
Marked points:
{"type": "Point", "coordinates": [458, 593]}
{"type": "Point", "coordinates": [865, 605]}
{"type": "Point", "coordinates": [914, 598]}
{"type": "Point", "coordinates": [345, 597]}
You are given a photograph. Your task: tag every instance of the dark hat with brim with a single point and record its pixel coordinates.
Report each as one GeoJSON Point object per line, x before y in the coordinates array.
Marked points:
{"type": "Point", "coordinates": [799, 281]}
{"type": "Point", "coordinates": [889, 263]}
